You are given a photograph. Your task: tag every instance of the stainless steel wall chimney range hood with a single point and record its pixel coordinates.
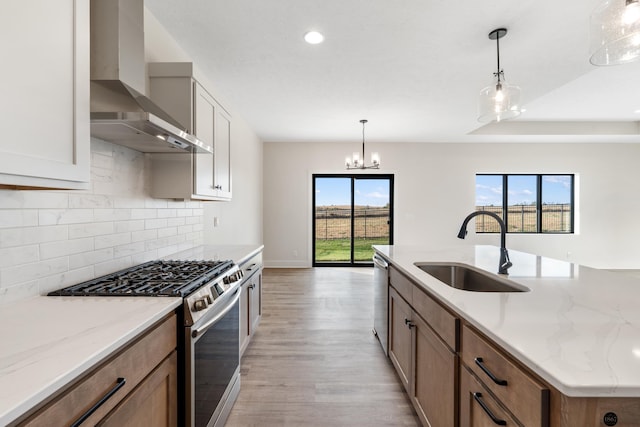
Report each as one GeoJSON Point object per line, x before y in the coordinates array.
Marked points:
{"type": "Point", "coordinates": [120, 113]}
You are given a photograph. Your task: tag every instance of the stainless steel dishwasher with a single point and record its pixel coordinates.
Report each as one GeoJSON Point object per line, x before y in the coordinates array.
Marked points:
{"type": "Point", "coordinates": [381, 301]}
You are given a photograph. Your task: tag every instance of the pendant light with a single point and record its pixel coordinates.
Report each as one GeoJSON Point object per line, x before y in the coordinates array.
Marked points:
{"type": "Point", "coordinates": [615, 32]}
{"type": "Point", "coordinates": [500, 100]}
{"type": "Point", "coordinates": [355, 162]}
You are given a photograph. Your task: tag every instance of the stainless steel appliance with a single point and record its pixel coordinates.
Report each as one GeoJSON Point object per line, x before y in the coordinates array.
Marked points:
{"type": "Point", "coordinates": [120, 113]}
{"type": "Point", "coordinates": [210, 350]}
{"type": "Point", "coordinates": [381, 301]}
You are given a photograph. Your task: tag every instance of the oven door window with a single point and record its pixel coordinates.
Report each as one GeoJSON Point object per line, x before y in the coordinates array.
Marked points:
{"type": "Point", "coordinates": [216, 359]}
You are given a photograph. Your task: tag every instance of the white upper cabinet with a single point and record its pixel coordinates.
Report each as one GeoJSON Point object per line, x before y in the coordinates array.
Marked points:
{"type": "Point", "coordinates": [201, 176]}
{"type": "Point", "coordinates": [44, 94]}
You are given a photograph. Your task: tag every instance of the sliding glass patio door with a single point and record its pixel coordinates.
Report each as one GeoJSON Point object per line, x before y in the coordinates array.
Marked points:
{"type": "Point", "coordinates": [351, 213]}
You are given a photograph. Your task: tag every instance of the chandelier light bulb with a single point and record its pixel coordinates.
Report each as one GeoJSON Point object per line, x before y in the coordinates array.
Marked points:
{"type": "Point", "coordinates": [631, 13]}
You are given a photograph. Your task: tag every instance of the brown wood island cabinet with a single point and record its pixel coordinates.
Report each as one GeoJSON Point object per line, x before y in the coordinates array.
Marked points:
{"type": "Point", "coordinates": [457, 376]}
{"type": "Point", "coordinates": [422, 347]}
{"type": "Point", "coordinates": [135, 387]}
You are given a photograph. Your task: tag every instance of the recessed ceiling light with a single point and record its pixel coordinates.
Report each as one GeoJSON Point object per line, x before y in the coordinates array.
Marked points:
{"type": "Point", "coordinates": [313, 37]}
{"type": "Point", "coordinates": [637, 111]}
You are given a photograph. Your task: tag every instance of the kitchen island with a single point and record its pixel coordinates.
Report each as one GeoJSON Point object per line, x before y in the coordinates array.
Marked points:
{"type": "Point", "coordinates": [576, 330]}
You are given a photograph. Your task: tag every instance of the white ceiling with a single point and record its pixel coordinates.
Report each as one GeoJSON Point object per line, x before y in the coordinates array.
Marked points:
{"type": "Point", "coordinates": [413, 68]}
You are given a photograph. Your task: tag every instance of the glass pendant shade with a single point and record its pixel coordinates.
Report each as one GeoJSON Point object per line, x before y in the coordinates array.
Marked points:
{"type": "Point", "coordinates": [499, 101]}
{"type": "Point", "coordinates": [615, 32]}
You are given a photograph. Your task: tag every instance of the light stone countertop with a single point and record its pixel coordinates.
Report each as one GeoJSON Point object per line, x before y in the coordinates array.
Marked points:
{"type": "Point", "coordinates": [47, 342]}
{"type": "Point", "coordinates": [578, 328]}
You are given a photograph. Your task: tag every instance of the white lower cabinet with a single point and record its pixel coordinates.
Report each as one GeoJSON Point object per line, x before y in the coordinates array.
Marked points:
{"type": "Point", "coordinates": [45, 95]}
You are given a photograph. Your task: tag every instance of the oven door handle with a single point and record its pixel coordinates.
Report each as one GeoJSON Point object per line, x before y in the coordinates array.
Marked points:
{"type": "Point", "coordinates": [199, 331]}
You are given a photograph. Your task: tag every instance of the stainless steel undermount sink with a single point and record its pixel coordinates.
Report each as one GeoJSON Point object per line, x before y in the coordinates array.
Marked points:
{"type": "Point", "coordinates": [467, 278]}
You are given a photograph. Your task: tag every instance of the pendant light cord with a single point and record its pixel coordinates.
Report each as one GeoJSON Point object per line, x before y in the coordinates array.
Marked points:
{"type": "Point", "coordinates": [498, 56]}
{"type": "Point", "coordinates": [363, 123]}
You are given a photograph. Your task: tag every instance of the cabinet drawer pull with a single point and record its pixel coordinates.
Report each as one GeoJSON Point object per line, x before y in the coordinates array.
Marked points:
{"type": "Point", "coordinates": [496, 380]}
{"type": "Point", "coordinates": [119, 383]}
{"type": "Point", "coordinates": [409, 323]}
{"type": "Point", "coordinates": [478, 398]}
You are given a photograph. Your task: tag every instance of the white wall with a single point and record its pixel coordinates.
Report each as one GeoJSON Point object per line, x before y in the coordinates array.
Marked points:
{"type": "Point", "coordinates": [435, 190]}
{"type": "Point", "coordinates": [239, 220]}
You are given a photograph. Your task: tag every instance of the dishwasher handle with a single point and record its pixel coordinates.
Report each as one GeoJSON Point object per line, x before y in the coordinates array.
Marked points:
{"type": "Point", "coordinates": [380, 262]}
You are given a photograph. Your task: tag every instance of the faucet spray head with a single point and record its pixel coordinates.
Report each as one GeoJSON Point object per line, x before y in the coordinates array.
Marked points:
{"type": "Point", "coordinates": [462, 233]}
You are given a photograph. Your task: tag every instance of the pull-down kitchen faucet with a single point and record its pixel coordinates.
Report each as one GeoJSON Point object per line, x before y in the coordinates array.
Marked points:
{"type": "Point", "coordinates": [504, 255]}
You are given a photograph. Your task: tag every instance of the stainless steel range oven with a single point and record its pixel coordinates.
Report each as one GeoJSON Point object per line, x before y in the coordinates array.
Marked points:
{"type": "Point", "coordinates": [212, 351]}
{"type": "Point", "coordinates": [209, 352]}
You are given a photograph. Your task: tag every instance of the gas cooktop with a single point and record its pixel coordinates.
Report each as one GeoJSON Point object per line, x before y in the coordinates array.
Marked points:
{"type": "Point", "coordinates": [154, 278]}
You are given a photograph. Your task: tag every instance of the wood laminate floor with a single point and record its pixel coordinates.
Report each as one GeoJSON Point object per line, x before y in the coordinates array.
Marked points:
{"type": "Point", "coordinates": [314, 360]}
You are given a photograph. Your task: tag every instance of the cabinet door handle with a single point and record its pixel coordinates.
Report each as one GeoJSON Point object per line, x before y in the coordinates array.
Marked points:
{"type": "Point", "coordinates": [486, 370]}
{"type": "Point", "coordinates": [119, 383]}
{"type": "Point", "coordinates": [251, 286]}
{"type": "Point", "coordinates": [496, 420]}
{"type": "Point", "coordinates": [409, 323]}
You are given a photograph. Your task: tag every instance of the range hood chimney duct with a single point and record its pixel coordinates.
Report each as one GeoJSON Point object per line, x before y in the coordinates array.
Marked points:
{"type": "Point", "coordinates": [120, 113]}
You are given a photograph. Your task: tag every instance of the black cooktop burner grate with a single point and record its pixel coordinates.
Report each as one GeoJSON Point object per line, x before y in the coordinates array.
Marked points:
{"type": "Point", "coordinates": [154, 278]}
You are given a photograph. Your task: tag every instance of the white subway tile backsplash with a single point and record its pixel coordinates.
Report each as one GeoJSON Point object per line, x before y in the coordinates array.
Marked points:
{"type": "Point", "coordinates": [19, 255]}
{"type": "Point", "coordinates": [90, 258]}
{"type": "Point", "coordinates": [167, 213]}
{"type": "Point", "coordinates": [112, 240]}
{"type": "Point", "coordinates": [146, 256]}
{"type": "Point", "coordinates": [15, 293]}
{"type": "Point", "coordinates": [10, 199]}
{"type": "Point", "coordinates": [11, 237]}
{"type": "Point", "coordinates": [144, 213]}
{"type": "Point", "coordinates": [10, 218]}
{"type": "Point", "coordinates": [193, 220]}
{"type": "Point", "coordinates": [169, 231]}
{"type": "Point", "coordinates": [64, 216]}
{"type": "Point", "coordinates": [101, 161]}
{"type": "Point", "coordinates": [77, 231]}
{"type": "Point", "coordinates": [174, 222]}
{"type": "Point", "coordinates": [65, 247]}
{"type": "Point", "coordinates": [167, 250]}
{"type": "Point", "coordinates": [184, 229]}
{"type": "Point", "coordinates": [111, 214]}
{"type": "Point", "coordinates": [53, 239]}
{"type": "Point", "coordinates": [155, 223]}
{"type": "Point", "coordinates": [11, 276]}
{"type": "Point", "coordinates": [90, 201]}
{"type": "Point", "coordinates": [139, 236]}
{"type": "Point", "coordinates": [128, 249]}
{"type": "Point", "coordinates": [155, 203]}
{"type": "Point", "coordinates": [107, 267]}
{"type": "Point", "coordinates": [129, 202]}
{"type": "Point", "coordinates": [123, 226]}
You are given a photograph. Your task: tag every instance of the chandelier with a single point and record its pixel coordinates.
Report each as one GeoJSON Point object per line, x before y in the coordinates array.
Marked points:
{"type": "Point", "coordinates": [498, 101]}
{"type": "Point", "coordinates": [355, 162]}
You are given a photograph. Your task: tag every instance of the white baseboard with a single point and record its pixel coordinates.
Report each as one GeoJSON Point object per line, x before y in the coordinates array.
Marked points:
{"type": "Point", "coordinates": [286, 264]}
